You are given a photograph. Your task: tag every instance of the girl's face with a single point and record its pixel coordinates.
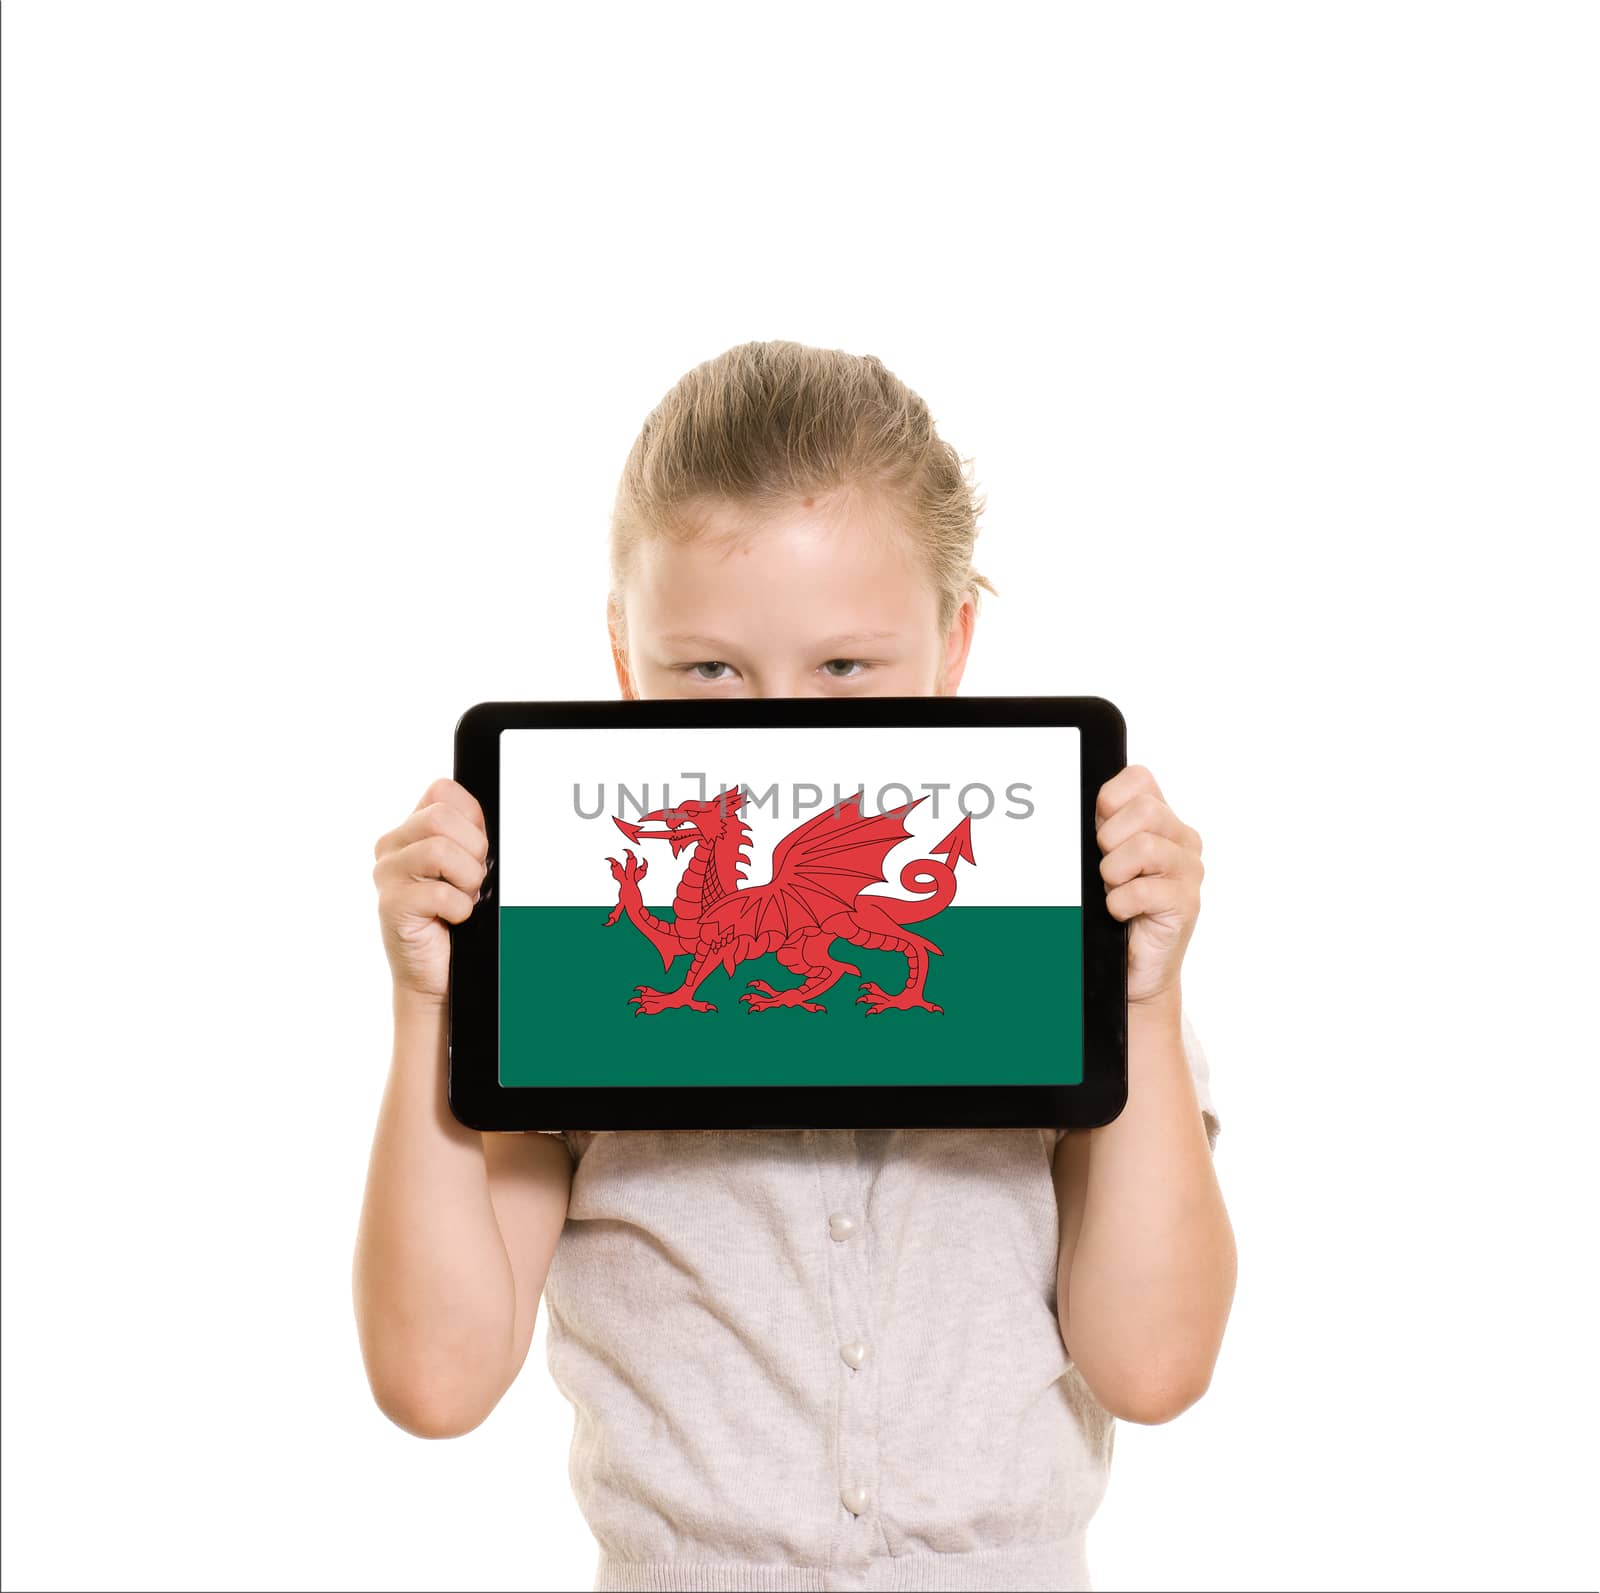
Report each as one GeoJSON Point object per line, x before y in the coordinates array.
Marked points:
{"type": "Point", "coordinates": [830, 600]}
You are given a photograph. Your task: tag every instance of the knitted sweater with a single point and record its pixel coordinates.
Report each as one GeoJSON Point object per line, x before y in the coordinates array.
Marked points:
{"type": "Point", "coordinates": [825, 1358]}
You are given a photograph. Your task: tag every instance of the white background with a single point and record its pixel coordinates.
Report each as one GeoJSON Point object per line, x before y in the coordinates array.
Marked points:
{"type": "Point", "coordinates": [1272, 331]}
{"type": "Point", "coordinates": [550, 855]}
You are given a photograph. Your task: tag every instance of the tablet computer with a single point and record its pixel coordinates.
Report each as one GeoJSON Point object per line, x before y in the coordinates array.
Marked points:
{"type": "Point", "coordinates": [789, 913]}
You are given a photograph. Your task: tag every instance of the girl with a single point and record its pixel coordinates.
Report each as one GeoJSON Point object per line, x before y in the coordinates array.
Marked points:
{"type": "Point", "coordinates": [884, 1358]}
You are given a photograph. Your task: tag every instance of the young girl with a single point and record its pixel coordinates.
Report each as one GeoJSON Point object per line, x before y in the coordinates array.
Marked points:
{"type": "Point", "coordinates": [885, 1358]}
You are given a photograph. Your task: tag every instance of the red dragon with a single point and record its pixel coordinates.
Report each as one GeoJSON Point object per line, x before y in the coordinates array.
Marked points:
{"type": "Point", "coordinates": [819, 872]}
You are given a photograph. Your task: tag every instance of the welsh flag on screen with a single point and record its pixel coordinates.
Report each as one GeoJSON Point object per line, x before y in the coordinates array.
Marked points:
{"type": "Point", "coordinates": [874, 906]}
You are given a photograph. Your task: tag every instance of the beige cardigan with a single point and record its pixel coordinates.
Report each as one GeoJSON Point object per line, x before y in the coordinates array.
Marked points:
{"type": "Point", "coordinates": [825, 1359]}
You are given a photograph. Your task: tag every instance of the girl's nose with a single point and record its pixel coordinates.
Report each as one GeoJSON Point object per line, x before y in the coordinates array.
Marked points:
{"type": "Point", "coordinates": [784, 686]}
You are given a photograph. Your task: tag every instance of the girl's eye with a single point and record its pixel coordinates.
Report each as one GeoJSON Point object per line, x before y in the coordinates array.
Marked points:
{"type": "Point", "coordinates": [844, 668]}
{"type": "Point", "coordinates": [710, 670]}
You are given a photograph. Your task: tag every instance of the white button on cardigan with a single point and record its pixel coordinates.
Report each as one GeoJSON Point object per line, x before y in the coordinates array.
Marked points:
{"type": "Point", "coordinates": [855, 1500]}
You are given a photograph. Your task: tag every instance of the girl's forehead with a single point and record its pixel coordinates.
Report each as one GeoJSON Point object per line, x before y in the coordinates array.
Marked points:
{"type": "Point", "coordinates": [801, 575]}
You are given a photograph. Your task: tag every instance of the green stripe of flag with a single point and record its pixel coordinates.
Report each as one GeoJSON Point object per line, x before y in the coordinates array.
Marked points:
{"type": "Point", "coordinates": [565, 1017]}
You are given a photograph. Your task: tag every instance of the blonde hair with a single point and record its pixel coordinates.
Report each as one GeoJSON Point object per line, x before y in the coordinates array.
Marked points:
{"type": "Point", "coordinates": [765, 425]}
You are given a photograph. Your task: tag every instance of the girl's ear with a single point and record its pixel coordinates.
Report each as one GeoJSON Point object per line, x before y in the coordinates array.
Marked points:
{"type": "Point", "coordinates": [956, 647]}
{"type": "Point", "coordinates": [619, 653]}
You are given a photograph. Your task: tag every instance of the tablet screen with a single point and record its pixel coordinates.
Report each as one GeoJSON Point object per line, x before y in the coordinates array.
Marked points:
{"type": "Point", "coordinates": [719, 906]}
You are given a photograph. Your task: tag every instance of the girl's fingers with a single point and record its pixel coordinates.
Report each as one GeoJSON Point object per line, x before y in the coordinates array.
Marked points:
{"type": "Point", "coordinates": [428, 898]}
{"type": "Point", "coordinates": [1149, 853]}
{"type": "Point", "coordinates": [431, 857]}
{"type": "Point", "coordinates": [1153, 894]}
{"type": "Point", "coordinates": [436, 818]}
{"type": "Point", "coordinates": [1121, 788]}
{"type": "Point", "coordinates": [455, 795]}
{"type": "Point", "coordinates": [1145, 811]}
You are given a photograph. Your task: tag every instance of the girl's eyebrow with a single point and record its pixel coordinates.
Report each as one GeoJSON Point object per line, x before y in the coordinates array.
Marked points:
{"type": "Point", "coordinates": [852, 639]}
{"type": "Point", "coordinates": [679, 640]}
{"type": "Point", "coordinates": [855, 638]}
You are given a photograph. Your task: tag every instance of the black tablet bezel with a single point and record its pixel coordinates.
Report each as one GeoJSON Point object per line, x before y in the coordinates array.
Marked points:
{"type": "Point", "coordinates": [478, 1099]}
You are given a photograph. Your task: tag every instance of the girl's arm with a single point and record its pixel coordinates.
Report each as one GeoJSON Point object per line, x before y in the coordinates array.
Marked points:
{"type": "Point", "coordinates": [1147, 1263]}
{"type": "Point", "coordinates": [458, 1228]}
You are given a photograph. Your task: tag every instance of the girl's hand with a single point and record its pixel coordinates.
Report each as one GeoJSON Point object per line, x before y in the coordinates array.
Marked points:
{"type": "Point", "coordinates": [428, 873]}
{"type": "Point", "coordinates": [1152, 871]}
